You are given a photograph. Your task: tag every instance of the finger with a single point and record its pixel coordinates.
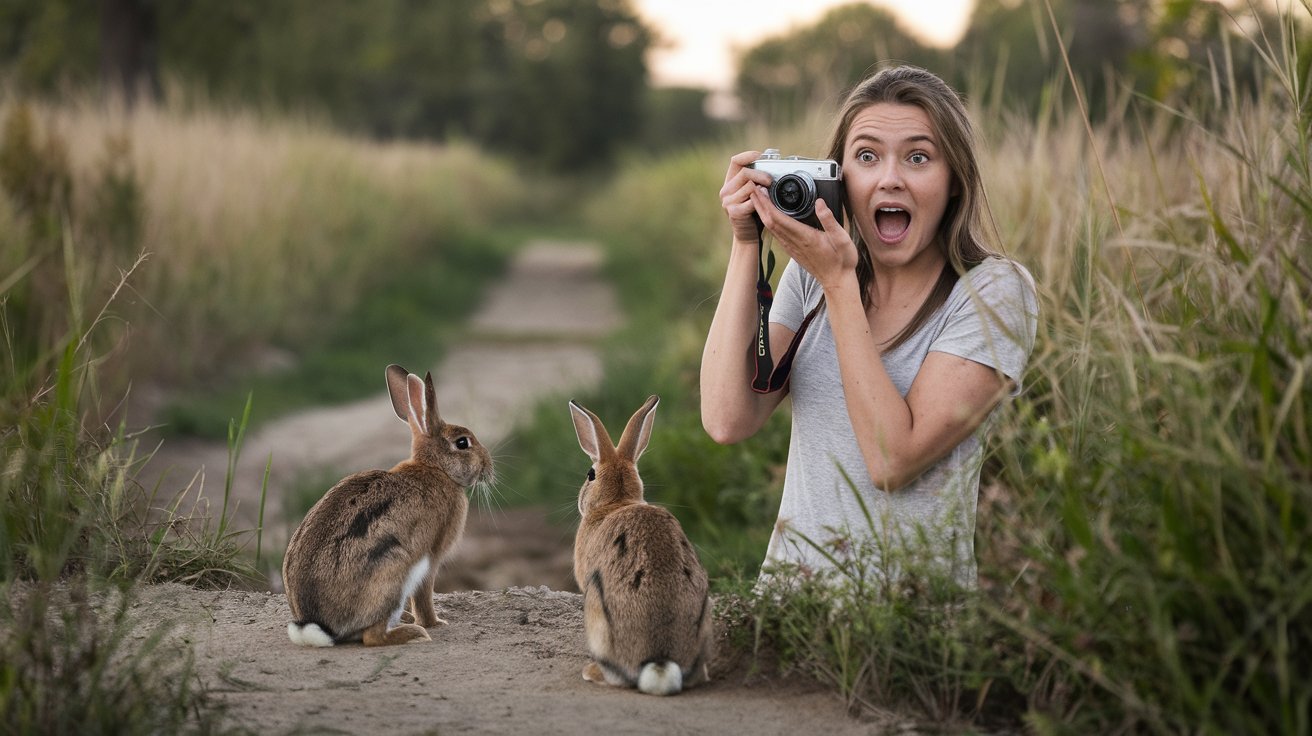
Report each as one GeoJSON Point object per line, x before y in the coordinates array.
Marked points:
{"type": "Point", "coordinates": [738, 161]}
{"type": "Point", "coordinates": [747, 176]}
{"type": "Point", "coordinates": [780, 225]}
{"type": "Point", "coordinates": [739, 205]}
{"type": "Point", "coordinates": [744, 158]}
{"type": "Point", "coordinates": [827, 219]}
{"type": "Point", "coordinates": [761, 202]}
{"type": "Point", "coordinates": [740, 211]}
{"type": "Point", "coordinates": [737, 190]}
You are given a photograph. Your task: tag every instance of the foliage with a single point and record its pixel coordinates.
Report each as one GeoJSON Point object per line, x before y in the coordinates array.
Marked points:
{"type": "Point", "coordinates": [558, 83]}
{"type": "Point", "coordinates": [674, 118]}
{"type": "Point", "coordinates": [327, 219]}
{"type": "Point", "coordinates": [72, 661]}
{"type": "Point", "coordinates": [71, 516]}
{"type": "Point", "coordinates": [780, 79]}
{"type": "Point", "coordinates": [886, 627]}
{"type": "Point", "coordinates": [1164, 437]}
{"type": "Point", "coordinates": [68, 500]}
{"type": "Point", "coordinates": [409, 316]}
{"type": "Point", "coordinates": [1008, 55]}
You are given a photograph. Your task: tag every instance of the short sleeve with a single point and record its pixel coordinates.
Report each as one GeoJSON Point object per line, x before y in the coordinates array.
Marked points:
{"type": "Point", "coordinates": [790, 299]}
{"type": "Point", "coordinates": [992, 318]}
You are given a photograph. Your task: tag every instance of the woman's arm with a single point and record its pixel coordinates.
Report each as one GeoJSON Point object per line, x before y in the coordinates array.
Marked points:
{"type": "Point", "coordinates": [899, 438]}
{"type": "Point", "coordinates": [731, 410]}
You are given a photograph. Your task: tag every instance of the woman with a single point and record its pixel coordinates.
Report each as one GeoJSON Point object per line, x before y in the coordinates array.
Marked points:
{"type": "Point", "coordinates": [922, 332]}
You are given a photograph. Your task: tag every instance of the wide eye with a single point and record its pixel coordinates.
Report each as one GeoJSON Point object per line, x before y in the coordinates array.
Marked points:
{"type": "Point", "coordinates": [866, 156]}
{"type": "Point", "coordinates": [919, 158]}
{"type": "Point", "coordinates": [462, 443]}
{"type": "Point", "coordinates": [592, 473]}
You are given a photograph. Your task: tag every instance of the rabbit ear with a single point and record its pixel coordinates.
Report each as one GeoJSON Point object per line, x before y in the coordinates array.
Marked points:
{"type": "Point", "coordinates": [396, 387]}
{"type": "Point", "coordinates": [430, 399]}
{"type": "Point", "coordinates": [638, 431]}
{"type": "Point", "coordinates": [419, 419]}
{"type": "Point", "coordinates": [593, 437]}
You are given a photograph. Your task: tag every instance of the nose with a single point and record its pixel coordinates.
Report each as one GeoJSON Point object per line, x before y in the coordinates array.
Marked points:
{"type": "Point", "coordinates": [890, 177]}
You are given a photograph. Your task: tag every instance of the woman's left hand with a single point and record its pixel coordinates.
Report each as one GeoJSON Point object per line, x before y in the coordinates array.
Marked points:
{"type": "Point", "coordinates": [829, 254]}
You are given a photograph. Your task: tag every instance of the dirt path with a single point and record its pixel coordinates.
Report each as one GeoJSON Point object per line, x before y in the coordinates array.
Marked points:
{"type": "Point", "coordinates": [509, 662]}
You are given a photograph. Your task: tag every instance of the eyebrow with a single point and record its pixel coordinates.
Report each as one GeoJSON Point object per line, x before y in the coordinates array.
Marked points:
{"type": "Point", "coordinates": [918, 138]}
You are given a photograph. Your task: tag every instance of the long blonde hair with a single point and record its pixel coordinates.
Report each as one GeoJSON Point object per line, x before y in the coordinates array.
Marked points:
{"type": "Point", "coordinates": [961, 231]}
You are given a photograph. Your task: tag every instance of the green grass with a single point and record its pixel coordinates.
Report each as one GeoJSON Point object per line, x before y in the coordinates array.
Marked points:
{"type": "Point", "coordinates": [408, 317]}
{"type": "Point", "coordinates": [75, 526]}
{"type": "Point", "coordinates": [74, 661]}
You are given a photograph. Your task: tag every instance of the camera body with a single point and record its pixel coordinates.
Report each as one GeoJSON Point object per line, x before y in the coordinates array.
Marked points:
{"type": "Point", "coordinates": [798, 182]}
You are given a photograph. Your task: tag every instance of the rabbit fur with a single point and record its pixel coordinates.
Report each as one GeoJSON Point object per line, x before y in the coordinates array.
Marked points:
{"type": "Point", "coordinates": [646, 611]}
{"type": "Point", "coordinates": [375, 540]}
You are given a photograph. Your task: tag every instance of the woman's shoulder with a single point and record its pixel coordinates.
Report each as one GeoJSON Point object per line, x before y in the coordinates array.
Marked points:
{"type": "Point", "coordinates": [997, 275]}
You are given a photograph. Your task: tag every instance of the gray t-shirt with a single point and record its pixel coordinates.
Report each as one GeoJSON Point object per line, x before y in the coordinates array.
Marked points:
{"type": "Point", "coordinates": [990, 317]}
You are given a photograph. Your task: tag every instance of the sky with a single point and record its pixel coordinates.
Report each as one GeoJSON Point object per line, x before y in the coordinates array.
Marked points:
{"type": "Point", "coordinates": [701, 35]}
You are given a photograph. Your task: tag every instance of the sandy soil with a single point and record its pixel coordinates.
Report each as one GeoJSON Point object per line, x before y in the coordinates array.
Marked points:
{"type": "Point", "coordinates": [510, 659]}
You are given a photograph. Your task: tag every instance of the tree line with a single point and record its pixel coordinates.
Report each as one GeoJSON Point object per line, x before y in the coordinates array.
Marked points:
{"type": "Point", "coordinates": [563, 84]}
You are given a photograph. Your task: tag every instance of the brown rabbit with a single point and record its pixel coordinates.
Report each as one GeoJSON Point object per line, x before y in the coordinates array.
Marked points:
{"type": "Point", "coordinates": [645, 607]}
{"type": "Point", "coordinates": [375, 540]}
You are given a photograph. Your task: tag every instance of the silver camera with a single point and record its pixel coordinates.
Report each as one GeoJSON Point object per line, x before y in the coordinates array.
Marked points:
{"type": "Point", "coordinates": [799, 182]}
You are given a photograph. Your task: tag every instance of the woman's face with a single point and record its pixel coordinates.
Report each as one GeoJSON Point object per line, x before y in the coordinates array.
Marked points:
{"type": "Point", "coordinates": [898, 183]}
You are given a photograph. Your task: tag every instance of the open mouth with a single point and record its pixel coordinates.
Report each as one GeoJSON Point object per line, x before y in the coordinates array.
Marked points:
{"type": "Point", "coordinates": [892, 223]}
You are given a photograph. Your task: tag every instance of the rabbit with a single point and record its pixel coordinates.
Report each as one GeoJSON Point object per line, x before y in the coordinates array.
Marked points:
{"type": "Point", "coordinates": [376, 539]}
{"type": "Point", "coordinates": [646, 612]}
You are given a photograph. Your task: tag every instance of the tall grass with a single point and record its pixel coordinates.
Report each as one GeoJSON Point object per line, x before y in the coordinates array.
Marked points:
{"type": "Point", "coordinates": [76, 532]}
{"type": "Point", "coordinates": [74, 661]}
{"type": "Point", "coordinates": [262, 233]}
{"type": "Point", "coordinates": [1144, 537]}
{"type": "Point", "coordinates": [1162, 453]}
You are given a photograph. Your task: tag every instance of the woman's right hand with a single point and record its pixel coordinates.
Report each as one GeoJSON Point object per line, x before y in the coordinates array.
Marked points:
{"type": "Point", "coordinates": [735, 196]}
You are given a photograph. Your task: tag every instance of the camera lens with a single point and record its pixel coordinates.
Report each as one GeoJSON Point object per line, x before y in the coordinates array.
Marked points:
{"type": "Point", "coordinates": [790, 194]}
{"type": "Point", "coordinates": [793, 194]}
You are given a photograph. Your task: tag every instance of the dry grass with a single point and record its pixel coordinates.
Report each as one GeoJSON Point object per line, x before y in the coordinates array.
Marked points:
{"type": "Point", "coordinates": [259, 230]}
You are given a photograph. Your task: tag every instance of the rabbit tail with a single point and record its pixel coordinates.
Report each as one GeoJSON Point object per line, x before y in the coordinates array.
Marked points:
{"type": "Point", "coordinates": [309, 634]}
{"type": "Point", "coordinates": [660, 678]}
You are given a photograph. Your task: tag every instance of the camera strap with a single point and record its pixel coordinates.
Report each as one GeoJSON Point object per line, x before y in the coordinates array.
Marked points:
{"type": "Point", "coordinates": [769, 377]}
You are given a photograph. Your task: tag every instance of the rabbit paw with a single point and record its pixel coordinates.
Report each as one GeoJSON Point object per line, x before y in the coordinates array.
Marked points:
{"type": "Point", "coordinates": [379, 635]}
{"type": "Point", "coordinates": [429, 618]}
{"type": "Point", "coordinates": [592, 673]}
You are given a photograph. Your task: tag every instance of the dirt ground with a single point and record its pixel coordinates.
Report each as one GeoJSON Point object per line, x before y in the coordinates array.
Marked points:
{"type": "Point", "coordinates": [509, 661]}
{"type": "Point", "coordinates": [511, 657]}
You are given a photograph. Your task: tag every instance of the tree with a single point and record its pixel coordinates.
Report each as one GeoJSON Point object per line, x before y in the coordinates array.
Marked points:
{"type": "Point", "coordinates": [128, 48]}
{"type": "Point", "coordinates": [783, 77]}
{"type": "Point", "coordinates": [1160, 49]}
{"type": "Point", "coordinates": [559, 83]}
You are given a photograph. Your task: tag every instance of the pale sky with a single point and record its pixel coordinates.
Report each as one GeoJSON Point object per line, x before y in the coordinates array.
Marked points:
{"type": "Point", "coordinates": [702, 34]}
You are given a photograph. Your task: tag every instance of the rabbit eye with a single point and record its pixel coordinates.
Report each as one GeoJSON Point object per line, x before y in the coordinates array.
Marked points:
{"type": "Point", "coordinates": [462, 443]}
{"type": "Point", "coordinates": [592, 473]}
